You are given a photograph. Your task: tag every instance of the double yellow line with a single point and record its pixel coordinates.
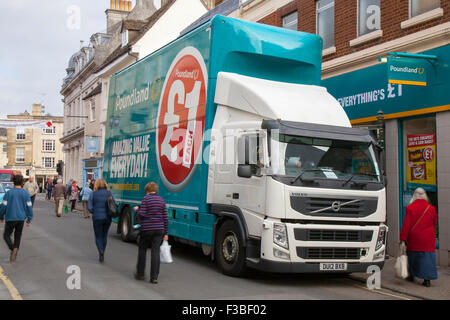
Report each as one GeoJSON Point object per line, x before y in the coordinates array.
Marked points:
{"type": "Point", "coordinates": [15, 295]}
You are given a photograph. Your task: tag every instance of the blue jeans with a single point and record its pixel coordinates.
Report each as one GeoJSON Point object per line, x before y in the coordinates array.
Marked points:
{"type": "Point", "coordinates": [101, 228]}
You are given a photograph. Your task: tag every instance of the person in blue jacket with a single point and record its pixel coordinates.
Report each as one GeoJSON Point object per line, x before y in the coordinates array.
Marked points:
{"type": "Point", "coordinates": [17, 207]}
{"type": "Point", "coordinates": [98, 206]}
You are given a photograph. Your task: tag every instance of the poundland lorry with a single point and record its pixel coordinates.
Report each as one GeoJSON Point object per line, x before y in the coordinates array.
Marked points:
{"type": "Point", "coordinates": [258, 164]}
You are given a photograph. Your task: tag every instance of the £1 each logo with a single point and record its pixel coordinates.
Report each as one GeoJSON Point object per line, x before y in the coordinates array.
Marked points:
{"type": "Point", "coordinates": [181, 119]}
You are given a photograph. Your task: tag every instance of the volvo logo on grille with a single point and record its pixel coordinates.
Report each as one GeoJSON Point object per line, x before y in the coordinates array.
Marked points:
{"type": "Point", "coordinates": [336, 206]}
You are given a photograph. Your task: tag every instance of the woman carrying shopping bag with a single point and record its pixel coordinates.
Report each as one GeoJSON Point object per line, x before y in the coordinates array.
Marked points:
{"type": "Point", "coordinates": [154, 229]}
{"type": "Point", "coordinates": [73, 195]}
{"type": "Point", "coordinates": [418, 231]}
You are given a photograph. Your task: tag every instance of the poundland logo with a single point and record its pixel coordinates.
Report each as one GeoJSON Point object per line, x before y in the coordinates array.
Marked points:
{"type": "Point", "coordinates": [407, 70]}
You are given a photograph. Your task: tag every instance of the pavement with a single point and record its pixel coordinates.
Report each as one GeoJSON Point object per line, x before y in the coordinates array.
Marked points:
{"type": "Point", "coordinates": [439, 289]}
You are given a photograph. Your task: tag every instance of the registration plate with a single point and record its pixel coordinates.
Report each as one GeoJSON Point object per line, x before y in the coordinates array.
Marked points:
{"type": "Point", "coordinates": [333, 266]}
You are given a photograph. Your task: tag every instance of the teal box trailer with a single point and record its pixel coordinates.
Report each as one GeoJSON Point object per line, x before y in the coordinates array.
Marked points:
{"type": "Point", "coordinates": [217, 118]}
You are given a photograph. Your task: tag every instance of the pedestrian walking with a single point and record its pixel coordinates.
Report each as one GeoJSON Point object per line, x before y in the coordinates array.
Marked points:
{"type": "Point", "coordinates": [154, 229]}
{"type": "Point", "coordinates": [98, 206]}
{"type": "Point", "coordinates": [73, 195]}
{"type": "Point", "coordinates": [17, 208]}
{"type": "Point", "coordinates": [418, 231]}
{"type": "Point", "coordinates": [49, 189]}
{"type": "Point", "coordinates": [60, 196]}
{"type": "Point", "coordinates": [32, 188]}
{"type": "Point", "coordinates": [85, 193]}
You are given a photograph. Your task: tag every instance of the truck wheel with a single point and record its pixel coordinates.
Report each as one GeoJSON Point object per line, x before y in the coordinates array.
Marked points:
{"type": "Point", "coordinates": [125, 225]}
{"type": "Point", "coordinates": [230, 252]}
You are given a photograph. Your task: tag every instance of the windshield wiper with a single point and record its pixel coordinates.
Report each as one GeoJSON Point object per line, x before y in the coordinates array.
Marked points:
{"type": "Point", "coordinates": [300, 175]}
{"type": "Point", "coordinates": [360, 174]}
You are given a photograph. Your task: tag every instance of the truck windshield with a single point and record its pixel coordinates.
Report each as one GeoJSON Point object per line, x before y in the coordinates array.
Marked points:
{"type": "Point", "coordinates": [323, 158]}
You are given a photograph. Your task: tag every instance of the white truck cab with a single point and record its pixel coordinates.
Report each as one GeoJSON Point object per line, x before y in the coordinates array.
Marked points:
{"type": "Point", "coordinates": [305, 188]}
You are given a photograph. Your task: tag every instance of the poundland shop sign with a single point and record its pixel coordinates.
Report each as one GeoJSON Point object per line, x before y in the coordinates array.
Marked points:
{"type": "Point", "coordinates": [406, 71]}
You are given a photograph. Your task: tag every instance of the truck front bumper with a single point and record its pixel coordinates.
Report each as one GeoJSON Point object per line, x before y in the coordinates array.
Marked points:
{"type": "Point", "coordinates": [309, 267]}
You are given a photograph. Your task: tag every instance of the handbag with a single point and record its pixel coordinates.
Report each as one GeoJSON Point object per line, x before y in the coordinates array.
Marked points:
{"type": "Point", "coordinates": [401, 265]}
{"type": "Point", "coordinates": [66, 208]}
{"type": "Point", "coordinates": [112, 207]}
{"type": "Point", "coordinates": [164, 253]}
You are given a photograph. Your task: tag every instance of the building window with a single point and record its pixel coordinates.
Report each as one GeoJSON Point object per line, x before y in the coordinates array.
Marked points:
{"type": "Point", "coordinates": [92, 110]}
{"type": "Point", "coordinates": [290, 21]}
{"type": "Point", "coordinates": [20, 134]}
{"type": "Point", "coordinates": [417, 7]}
{"type": "Point", "coordinates": [368, 16]}
{"type": "Point", "coordinates": [325, 22]}
{"type": "Point", "coordinates": [51, 130]}
{"type": "Point", "coordinates": [20, 155]}
{"type": "Point", "coordinates": [48, 145]}
{"type": "Point", "coordinates": [5, 148]}
{"type": "Point", "coordinates": [48, 162]}
{"type": "Point", "coordinates": [124, 38]}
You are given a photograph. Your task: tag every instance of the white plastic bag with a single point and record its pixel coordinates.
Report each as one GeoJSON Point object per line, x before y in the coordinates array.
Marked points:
{"type": "Point", "coordinates": [401, 265]}
{"type": "Point", "coordinates": [164, 253]}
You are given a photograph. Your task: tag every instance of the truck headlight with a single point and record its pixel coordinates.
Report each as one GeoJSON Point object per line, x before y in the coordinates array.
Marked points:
{"type": "Point", "coordinates": [280, 235]}
{"type": "Point", "coordinates": [381, 238]}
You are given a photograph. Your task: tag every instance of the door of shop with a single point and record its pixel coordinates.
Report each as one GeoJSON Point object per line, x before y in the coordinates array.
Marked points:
{"type": "Point", "coordinates": [418, 160]}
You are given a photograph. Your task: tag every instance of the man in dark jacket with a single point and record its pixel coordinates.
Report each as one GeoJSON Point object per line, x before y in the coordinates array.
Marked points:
{"type": "Point", "coordinates": [17, 207]}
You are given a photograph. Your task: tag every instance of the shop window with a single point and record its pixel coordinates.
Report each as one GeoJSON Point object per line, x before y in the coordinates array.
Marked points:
{"type": "Point", "coordinates": [325, 22]}
{"type": "Point", "coordinates": [290, 21]}
{"type": "Point", "coordinates": [368, 16]}
{"type": "Point", "coordinates": [417, 7]}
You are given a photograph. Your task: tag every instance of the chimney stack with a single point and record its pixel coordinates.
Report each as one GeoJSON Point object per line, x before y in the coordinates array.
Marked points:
{"type": "Point", "coordinates": [121, 5]}
{"type": "Point", "coordinates": [36, 109]}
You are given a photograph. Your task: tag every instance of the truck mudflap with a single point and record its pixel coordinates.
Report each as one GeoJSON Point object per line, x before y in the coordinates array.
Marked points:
{"type": "Point", "coordinates": [300, 267]}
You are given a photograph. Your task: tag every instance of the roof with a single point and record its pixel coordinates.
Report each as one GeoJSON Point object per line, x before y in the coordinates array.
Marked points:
{"type": "Point", "coordinates": [141, 27]}
{"type": "Point", "coordinates": [224, 9]}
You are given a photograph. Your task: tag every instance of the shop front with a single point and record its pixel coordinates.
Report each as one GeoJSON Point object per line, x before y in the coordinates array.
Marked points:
{"type": "Point", "coordinates": [413, 123]}
{"type": "Point", "coordinates": [92, 169]}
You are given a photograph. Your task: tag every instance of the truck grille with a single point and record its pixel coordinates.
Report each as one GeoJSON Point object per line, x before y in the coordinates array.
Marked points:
{"type": "Point", "coordinates": [333, 207]}
{"type": "Point", "coordinates": [329, 253]}
{"type": "Point", "coordinates": [333, 235]}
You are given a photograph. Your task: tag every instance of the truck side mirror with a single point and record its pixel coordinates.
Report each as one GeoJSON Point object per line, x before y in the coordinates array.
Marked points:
{"type": "Point", "coordinates": [245, 171]}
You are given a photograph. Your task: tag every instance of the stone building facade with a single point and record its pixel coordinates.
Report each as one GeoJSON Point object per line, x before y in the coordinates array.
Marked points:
{"type": "Point", "coordinates": [35, 152]}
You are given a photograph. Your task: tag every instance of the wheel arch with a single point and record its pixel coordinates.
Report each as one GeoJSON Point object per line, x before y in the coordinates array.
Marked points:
{"type": "Point", "coordinates": [224, 213]}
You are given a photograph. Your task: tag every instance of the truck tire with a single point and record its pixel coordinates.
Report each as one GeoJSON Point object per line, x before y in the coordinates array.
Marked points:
{"type": "Point", "coordinates": [230, 251]}
{"type": "Point", "coordinates": [125, 226]}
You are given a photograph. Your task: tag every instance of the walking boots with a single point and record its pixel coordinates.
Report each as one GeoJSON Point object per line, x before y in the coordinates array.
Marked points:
{"type": "Point", "coordinates": [13, 255]}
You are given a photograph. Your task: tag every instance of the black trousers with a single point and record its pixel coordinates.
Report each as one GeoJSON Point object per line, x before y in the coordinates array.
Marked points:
{"type": "Point", "coordinates": [73, 205]}
{"type": "Point", "coordinates": [10, 227]}
{"type": "Point", "coordinates": [153, 238]}
{"type": "Point", "coordinates": [32, 200]}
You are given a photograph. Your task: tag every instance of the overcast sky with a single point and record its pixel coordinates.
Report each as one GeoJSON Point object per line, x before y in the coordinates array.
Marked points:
{"type": "Point", "coordinates": [38, 38]}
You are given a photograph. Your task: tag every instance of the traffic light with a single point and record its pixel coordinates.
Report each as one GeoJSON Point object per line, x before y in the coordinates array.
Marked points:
{"type": "Point", "coordinates": [59, 167]}
{"type": "Point", "coordinates": [28, 172]}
